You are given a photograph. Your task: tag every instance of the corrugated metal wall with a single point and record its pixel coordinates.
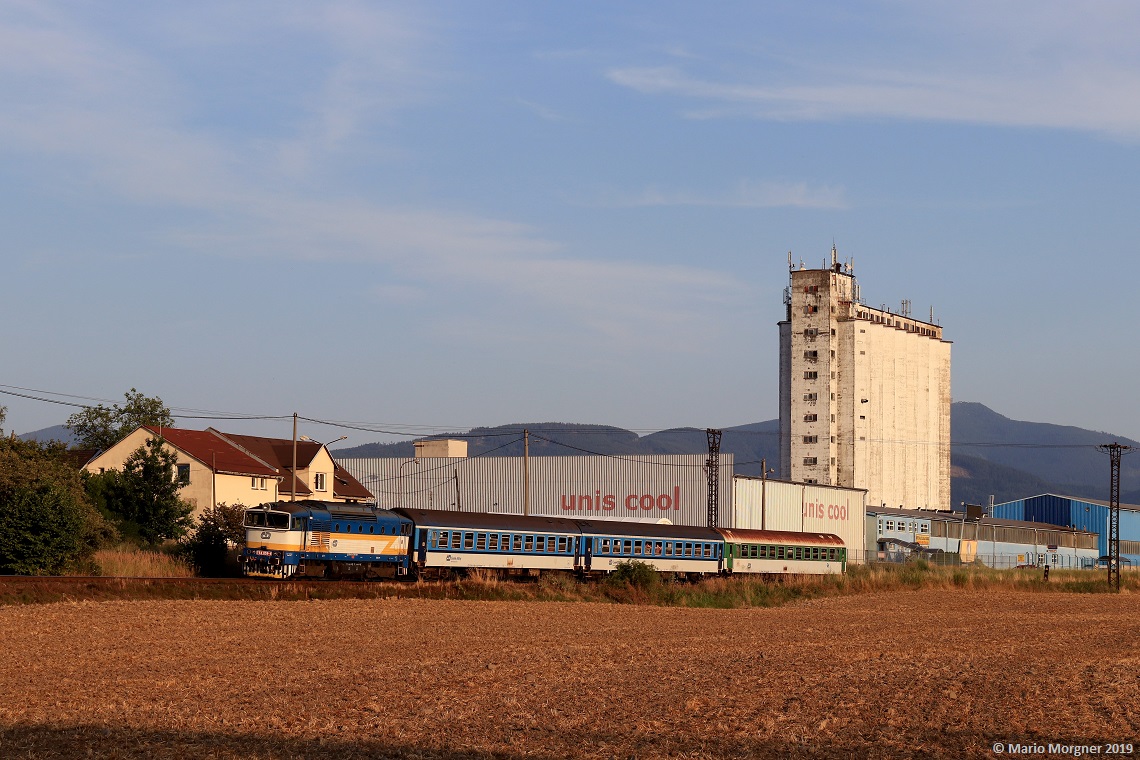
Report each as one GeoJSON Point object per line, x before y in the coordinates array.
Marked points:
{"type": "Point", "coordinates": [780, 505]}
{"type": "Point", "coordinates": [608, 487]}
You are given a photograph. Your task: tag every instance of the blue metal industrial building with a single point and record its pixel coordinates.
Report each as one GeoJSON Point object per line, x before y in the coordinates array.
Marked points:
{"type": "Point", "coordinates": [1082, 514]}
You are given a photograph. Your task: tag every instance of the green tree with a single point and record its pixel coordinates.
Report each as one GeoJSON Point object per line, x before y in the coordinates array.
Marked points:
{"type": "Point", "coordinates": [3, 416]}
{"type": "Point", "coordinates": [220, 528]}
{"type": "Point", "coordinates": [147, 493]}
{"type": "Point", "coordinates": [100, 427]}
{"type": "Point", "coordinates": [47, 524]}
{"type": "Point", "coordinates": [41, 530]}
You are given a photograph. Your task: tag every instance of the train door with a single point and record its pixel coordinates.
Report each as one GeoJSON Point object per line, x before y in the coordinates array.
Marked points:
{"type": "Point", "coordinates": [584, 553]}
{"type": "Point", "coordinates": [421, 546]}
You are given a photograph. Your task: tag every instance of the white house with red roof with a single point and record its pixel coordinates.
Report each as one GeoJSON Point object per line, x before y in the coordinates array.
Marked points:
{"type": "Point", "coordinates": [216, 467]}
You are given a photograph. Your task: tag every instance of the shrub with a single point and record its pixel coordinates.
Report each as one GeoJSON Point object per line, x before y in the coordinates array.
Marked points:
{"type": "Point", "coordinates": [634, 573]}
{"type": "Point", "coordinates": [219, 530]}
{"type": "Point", "coordinates": [41, 530]}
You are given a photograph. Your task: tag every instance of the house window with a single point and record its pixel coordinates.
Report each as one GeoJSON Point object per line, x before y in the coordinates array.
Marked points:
{"type": "Point", "coordinates": [809, 461]}
{"type": "Point", "coordinates": [810, 375]}
{"type": "Point", "coordinates": [319, 481]}
{"type": "Point", "coordinates": [810, 417]}
{"type": "Point", "coordinates": [183, 474]}
{"type": "Point", "coordinates": [811, 396]}
{"type": "Point", "coordinates": [811, 439]}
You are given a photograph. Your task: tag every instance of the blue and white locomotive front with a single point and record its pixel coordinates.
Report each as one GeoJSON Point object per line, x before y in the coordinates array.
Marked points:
{"type": "Point", "coordinates": [274, 540]}
{"type": "Point", "coordinates": [325, 539]}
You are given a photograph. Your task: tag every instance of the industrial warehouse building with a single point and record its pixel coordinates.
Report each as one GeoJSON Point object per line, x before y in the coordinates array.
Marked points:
{"type": "Point", "coordinates": [643, 488]}
{"type": "Point", "coordinates": [1079, 513]}
{"type": "Point", "coordinates": [898, 534]}
{"type": "Point", "coordinates": [864, 393]}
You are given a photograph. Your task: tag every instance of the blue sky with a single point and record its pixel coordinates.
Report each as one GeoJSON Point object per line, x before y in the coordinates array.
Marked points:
{"type": "Point", "coordinates": [457, 214]}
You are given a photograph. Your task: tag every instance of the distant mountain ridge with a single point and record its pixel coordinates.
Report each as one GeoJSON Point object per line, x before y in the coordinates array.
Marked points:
{"type": "Point", "coordinates": [992, 454]}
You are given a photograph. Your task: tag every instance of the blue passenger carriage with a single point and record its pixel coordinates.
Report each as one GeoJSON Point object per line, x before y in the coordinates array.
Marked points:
{"type": "Point", "coordinates": [446, 541]}
{"type": "Point", "coordinates": [665, 548]}
{"type": "Point", "coordinates": [325, 539]}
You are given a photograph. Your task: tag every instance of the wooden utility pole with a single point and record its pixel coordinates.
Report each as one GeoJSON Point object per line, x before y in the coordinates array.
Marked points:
{"type": "Point", "coordinates": [293, 495]}
{"type": "Point", "coordinates": [526, 471]}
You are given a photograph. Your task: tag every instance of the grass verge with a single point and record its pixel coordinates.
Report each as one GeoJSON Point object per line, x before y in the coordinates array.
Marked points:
{"type": "Point", "coordinates": [735, 592]}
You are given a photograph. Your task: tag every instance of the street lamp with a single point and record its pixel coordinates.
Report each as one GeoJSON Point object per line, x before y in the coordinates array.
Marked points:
{"type": "Point", "coordinates": [313, 440]}
{"type": "Point", "coordinates": [416, 462]}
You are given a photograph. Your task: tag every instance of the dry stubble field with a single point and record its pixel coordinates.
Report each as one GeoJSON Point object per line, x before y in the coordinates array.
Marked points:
{"type": "Point", "coordinates": [930, 673]}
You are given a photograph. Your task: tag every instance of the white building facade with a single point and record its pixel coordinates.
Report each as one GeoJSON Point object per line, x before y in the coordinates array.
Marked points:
{"type": "Point", "coordinates": [864, 394]}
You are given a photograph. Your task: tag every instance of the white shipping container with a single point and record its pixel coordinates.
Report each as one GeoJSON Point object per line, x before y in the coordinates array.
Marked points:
{"type": "Point", "coordinates": [781, 505]}
{"type": "Point", "coordinates": [672, 487]}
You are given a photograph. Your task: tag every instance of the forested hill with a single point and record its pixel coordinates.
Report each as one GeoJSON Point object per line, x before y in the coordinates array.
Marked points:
{"type": "Point", "coordinates": [991, 454]}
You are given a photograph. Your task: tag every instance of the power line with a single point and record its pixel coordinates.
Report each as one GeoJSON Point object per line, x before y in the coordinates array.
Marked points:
{"type": "Point", "coordinates": [436, 431]}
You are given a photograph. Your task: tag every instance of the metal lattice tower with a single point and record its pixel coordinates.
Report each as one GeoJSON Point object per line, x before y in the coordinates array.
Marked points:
{"type": "Point", "coordinates": [1114, 450]}
{"type": "Point", "coordinates": [713, 467]}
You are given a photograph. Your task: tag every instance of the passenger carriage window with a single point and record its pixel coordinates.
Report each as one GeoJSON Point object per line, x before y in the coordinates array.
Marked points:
{"type": "Point", "coordinates": [779, 552]}
{"type": "Point", "coordinates": [668, 548]}
{"type": "Point", "coordinates": [799, 553]}
{"type": "Point", "coordinates": [468, 540]}
{"type": "Point", "coordinates": [481, 541]}
{"type": "Point", "coordinates": [637, 547]}
{"type": "Point", "coordinates": [439, 539]}
{"type": "Point", "coordinates": [627, 546]}
{"type": "Point", "coordinates": [516, 543]}
{"type": "Point", "coordinates": [456, 537]}
{"type": "Point", "coordinates": [708, 550]}
{"type": "Point", "coordinates": [562, 544]}
{"type": "Point", "coordinates": [688, 549]}
{"type": "Point", "coordinates": [528, 544]}
{"type": "Point", "coordinates": [657, 549]}
{"type": "Point", "coordinates": [831, 554]}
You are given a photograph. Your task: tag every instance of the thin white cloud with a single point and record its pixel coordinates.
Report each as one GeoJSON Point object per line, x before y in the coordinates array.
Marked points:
{"type": "Point", "coordinates": [1054, 65]}
{"type": "Point", "coordinates": [748, 194]}
{"type": "Point", "coordinates": [120, 119]}
{"type": "Point", "coordinates": [543, 112]}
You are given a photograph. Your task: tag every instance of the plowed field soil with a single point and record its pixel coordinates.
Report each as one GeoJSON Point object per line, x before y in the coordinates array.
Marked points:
{"type": "Point", "coordinates": [907, 674]}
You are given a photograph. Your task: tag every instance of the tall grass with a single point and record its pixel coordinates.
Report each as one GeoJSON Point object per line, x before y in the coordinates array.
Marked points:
{"type": "Point", "coordinates": [132, 562]}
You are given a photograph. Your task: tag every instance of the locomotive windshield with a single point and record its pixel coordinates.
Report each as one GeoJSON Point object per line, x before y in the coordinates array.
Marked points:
{"type": "Point", "coordinates": [259, 518]}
